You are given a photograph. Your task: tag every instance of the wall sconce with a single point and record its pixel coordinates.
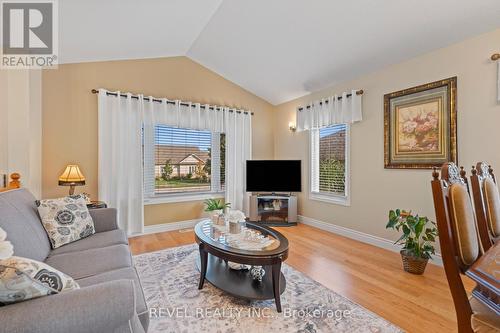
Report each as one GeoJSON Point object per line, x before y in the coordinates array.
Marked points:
{"type": "Point", "coordinates": [292, 126]}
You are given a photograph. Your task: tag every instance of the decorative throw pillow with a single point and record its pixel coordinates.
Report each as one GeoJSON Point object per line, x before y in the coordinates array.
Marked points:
{"type": "Point", "coordinates": [65, 219]}
{"type": "Point", "coordinates": [22, 279]}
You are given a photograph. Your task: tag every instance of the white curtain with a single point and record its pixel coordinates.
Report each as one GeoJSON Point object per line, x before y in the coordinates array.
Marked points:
{"type": "Point", "coordinates": [329, 111]}
{"type": "Point", "coordinates": [120, 158]}
{"type": "Point", "coordinates": [121, 124]}
{"type": "Point", "coordinates": [238, 151]}
{"type": "Point", "coordinates": [187, 115]}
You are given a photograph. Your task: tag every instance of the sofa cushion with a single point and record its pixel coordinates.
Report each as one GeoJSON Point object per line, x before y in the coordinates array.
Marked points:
{"type": "Point", "coordinates": [19, 218]}
{"type": "Point", "coordinates": [65, 219]}
{"type": "Point", "coordinates": [91, 262]}
{"type": "Point", "coordinates": [22, 279]}
{"type": "Point", "coordinates": [128, 273]}
{"type": "Point", "coordinates": [98, 240]}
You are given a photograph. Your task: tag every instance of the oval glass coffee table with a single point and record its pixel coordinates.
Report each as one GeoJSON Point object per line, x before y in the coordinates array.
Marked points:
{"type": "Point", "coordinates": [256, 245]}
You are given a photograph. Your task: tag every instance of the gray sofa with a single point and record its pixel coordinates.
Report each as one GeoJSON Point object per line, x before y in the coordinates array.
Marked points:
{"type": "Point", "coordinates": [110, 299]}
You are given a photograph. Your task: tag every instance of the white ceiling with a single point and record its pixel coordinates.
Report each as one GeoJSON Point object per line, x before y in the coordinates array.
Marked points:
{"type": "Point", "coordinates": [277, 49]}
{"type": "Point", "coordinates": [95, 30]}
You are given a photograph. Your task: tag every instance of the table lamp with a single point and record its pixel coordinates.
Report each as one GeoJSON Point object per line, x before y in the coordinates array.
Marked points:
{"type": "Point", "coordinates": [72, 177]}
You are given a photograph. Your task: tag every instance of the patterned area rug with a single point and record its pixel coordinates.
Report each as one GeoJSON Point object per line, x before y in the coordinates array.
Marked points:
{"type": "Point", "coordinates": [170, 281]}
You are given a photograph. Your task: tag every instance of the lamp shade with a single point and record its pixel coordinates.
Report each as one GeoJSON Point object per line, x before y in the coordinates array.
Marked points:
{"type": "Point", "coordinates": [72, 176]}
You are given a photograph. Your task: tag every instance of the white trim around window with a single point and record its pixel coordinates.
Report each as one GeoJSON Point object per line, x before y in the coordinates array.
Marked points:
{"type": "Point", "coordinates": [314, 193]}
{"type": "Point", "coordinates": [182, 197]}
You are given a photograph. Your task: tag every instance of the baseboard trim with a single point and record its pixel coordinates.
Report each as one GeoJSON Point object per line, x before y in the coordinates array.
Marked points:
{"type": "Point", "coordinates": [171, 226]}
{"type": "Point", "coordinates": [360, 236]}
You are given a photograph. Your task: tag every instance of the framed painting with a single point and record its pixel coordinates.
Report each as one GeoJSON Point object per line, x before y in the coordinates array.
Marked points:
{"type": "Point", "coordinates": [420, 126]}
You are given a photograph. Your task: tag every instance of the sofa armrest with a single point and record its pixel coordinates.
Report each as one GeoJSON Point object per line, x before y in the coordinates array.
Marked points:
{"type": "Point", "coordinates": [99, 308]}
{"type": "Point", "coordinates": [104, 219]}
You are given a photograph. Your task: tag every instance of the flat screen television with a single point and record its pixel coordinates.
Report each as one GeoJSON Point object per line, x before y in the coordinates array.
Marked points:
{"type": "Point", "coordinates": [274, 176]}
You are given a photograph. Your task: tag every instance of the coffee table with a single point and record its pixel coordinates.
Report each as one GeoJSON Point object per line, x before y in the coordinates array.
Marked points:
{"type": "Point", "coordinates": [217, 247]}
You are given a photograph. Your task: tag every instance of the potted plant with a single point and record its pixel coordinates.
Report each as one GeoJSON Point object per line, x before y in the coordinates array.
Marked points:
{"type": "Point", "coordinates": [418, 238]}
{"type": "Point", "coordinates": [216, 208]}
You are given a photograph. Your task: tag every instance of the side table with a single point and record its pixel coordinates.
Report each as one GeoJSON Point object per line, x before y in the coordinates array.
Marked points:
{"type": "Point", "coordinates": [97, 204]}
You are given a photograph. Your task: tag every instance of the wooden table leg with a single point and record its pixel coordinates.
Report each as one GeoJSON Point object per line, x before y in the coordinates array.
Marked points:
{"type": "Point", "coordinates": [203, 268]}
{"type": "Point", "coordinates": [276, 268]}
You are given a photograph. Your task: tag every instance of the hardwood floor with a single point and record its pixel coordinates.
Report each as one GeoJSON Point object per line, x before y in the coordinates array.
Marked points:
{"type": "Point", "coordinates": [368, 275]}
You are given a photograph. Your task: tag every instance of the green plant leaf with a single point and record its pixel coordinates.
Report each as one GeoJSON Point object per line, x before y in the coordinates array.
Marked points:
{"type": "Point", "coordinates": [419, 226]}
{"type": "Point", "coordinates": [406, 230]}
{"type": "Point", "coordinates": [215, 204]}
{"type": "Point", "coordinates": [400, 239]}
{"type": "Point", "coordinates": [391, 223]}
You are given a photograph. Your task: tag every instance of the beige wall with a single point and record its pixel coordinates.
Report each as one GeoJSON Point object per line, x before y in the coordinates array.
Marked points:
{"type": "Point", "coordinates": [70, 126]}
{"type": "Point", "coordinates": [70, 116]}
{"type": "Point", "coordinates": [374, 189]}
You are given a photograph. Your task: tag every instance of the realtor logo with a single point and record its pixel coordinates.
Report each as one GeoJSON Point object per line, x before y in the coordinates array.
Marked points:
{"type": "Point", "coordinates": [29, 34]}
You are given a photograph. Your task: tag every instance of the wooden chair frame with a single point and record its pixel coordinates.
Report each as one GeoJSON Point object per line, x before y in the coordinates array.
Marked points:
{"type": "Point", "coordinates": [453, 266]}
{"type": "Point", "coordinates": [478, 174]}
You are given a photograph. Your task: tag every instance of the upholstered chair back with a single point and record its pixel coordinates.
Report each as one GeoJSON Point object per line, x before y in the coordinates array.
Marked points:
{"type": "Point", "coordinates": [458, 239]}
{"type": "Point", "coordinates": [463, 223]}
{"type": "Point", "coordinates": [461, 217]}
{"type": "Point", "coordinates": [486, 202]}
{"type": "Point", "coordinates": [491, 198]}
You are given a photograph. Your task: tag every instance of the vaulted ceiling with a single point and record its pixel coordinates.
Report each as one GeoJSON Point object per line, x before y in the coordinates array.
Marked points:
{"type": "Point", "coordinates": [276, 49]}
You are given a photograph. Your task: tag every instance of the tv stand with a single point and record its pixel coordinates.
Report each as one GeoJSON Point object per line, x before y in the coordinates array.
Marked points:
{"type": "Point", "coordinates": [274, 194]}
{"type": "Point", "coordinates": [273, 209]}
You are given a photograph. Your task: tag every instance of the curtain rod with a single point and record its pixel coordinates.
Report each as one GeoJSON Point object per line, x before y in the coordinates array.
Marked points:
{"type": "Point", "coordinates": [108, 93]}
{"type": "Point", "coordinates": [359, 92]}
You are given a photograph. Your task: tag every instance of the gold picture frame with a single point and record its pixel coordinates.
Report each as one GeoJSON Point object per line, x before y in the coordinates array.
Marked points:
{"type": "Point", "coordinates": [420, 126]}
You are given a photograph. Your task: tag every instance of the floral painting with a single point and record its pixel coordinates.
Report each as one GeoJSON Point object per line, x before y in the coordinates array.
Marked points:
{"type": "Point", "coordinates": [420, 125]}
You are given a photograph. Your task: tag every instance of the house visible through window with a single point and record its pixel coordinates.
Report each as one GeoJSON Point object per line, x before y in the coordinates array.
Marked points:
{"type": "Point", "coordinates": [187, 161]}
{"type": "Point", "coordinates": [330, 164]}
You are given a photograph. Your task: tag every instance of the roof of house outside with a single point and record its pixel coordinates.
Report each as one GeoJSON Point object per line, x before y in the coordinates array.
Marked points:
{"type": "Point", "coordinates": [176, 154]}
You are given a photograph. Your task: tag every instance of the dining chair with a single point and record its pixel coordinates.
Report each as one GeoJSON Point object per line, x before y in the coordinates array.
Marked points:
{"type": "Point", "coordinates": [486, 202]}
{"type": "Point", "coordinates": [460, 246]}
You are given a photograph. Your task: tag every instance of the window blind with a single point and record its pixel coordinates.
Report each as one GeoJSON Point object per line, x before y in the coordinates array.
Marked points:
{"type": "Point", "coordinates": [328, 160]}
{"type": "Point", "coordinates": [179, 160]}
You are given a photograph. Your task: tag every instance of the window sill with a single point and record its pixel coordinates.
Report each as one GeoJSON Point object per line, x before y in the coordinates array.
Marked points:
{"type": "Point", "coordinates": [176, 197]}
{"type": "Point", "coordinates": [333, 199]}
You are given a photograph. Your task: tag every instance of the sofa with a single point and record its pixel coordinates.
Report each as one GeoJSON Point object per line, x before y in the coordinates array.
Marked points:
{"type": "Point", "coordinates": [110, 298]}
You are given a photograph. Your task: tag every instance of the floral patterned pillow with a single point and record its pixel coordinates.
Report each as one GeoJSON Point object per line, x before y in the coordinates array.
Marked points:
{"type": "Point", "coordinates": [65, 219]}
{"type": "Point", "coordinates": [22, 279]}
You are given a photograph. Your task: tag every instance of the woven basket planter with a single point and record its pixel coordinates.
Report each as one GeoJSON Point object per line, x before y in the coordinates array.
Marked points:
{"type": "Point", "coordinates": [413, 264]}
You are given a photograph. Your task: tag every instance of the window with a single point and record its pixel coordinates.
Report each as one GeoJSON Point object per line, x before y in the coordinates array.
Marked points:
{"type": "Point", "coordinates": [180, 163]}
{"type": "Point", "coordinates": [330, 164]}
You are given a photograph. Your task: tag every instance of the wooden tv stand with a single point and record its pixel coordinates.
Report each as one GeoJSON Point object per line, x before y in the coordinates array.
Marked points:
{"type": "Point", "coordinates": [273, 209]}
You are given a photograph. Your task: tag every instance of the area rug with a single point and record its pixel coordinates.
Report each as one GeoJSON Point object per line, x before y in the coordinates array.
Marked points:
{"type": "Point", "coordinates": [170, 282]}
